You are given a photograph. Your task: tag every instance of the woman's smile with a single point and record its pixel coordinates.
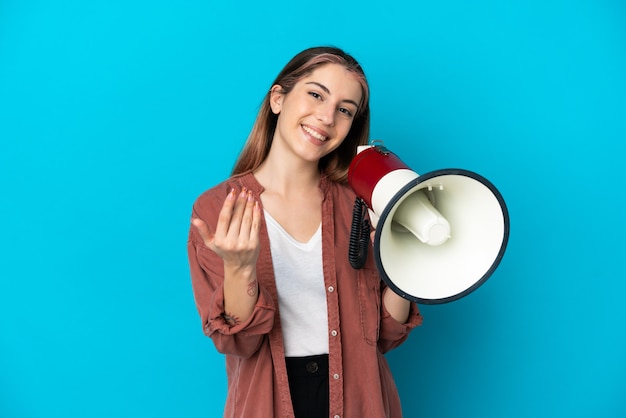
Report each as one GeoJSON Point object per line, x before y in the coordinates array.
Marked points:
{"type": "Point", "coordinates": [317, 134]}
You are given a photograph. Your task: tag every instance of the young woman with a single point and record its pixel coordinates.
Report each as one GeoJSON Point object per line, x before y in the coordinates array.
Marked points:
{"type": "Point", "coordinates": [303, 332]}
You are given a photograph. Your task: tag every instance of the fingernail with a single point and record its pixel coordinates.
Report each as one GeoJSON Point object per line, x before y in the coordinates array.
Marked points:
{"type": "Point", "coordinates": [250, 197]}
{"type": "Point", "coordinates": [231, 195]}
{"type": "Point", "coordinates": [243, 192]}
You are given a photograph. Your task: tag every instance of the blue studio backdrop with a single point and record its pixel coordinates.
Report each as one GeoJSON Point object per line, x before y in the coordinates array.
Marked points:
{"type": "Point", "coordinates": [115, 115]}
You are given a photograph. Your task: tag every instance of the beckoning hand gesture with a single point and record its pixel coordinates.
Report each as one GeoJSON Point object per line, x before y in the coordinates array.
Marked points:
{"type": "Point", "coordinates": [236, 237]}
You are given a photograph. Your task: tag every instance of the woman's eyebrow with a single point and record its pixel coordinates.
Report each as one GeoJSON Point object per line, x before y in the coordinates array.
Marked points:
{"type": "Point", "coordinates": [323, 87]}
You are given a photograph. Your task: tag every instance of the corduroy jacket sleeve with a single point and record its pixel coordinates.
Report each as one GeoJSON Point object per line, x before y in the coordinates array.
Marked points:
{"type": "Point", "coordinates": [393, 333]}
{"type": "Point", "coordinates": [207, 277]}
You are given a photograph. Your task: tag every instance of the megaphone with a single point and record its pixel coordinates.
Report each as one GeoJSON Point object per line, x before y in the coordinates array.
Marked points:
{"type": "Point", "coordinates": [439, 236]}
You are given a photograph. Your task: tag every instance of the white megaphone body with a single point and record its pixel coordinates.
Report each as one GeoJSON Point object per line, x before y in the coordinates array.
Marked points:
{"type": "Point", "coordinates": [439, 236]}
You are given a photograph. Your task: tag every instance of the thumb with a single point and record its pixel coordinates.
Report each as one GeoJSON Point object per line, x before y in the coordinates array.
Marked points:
{"type": "Point", "coordinates": [203, 230]}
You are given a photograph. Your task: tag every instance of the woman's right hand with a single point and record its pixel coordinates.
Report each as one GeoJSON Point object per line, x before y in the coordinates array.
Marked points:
{"type": "Point", "coordinates": [236, 236]}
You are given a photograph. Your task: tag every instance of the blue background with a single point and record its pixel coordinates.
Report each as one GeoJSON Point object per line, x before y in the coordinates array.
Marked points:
{"type": "Point", "coordinates": [115, 115]}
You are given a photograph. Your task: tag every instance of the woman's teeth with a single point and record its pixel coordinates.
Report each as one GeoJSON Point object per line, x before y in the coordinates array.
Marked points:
{"type": "Point", "coordinates": [314, 134]}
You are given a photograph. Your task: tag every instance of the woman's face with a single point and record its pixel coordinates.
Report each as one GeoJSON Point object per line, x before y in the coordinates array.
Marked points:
{"type": "Point", "coordinates": [317, 114]}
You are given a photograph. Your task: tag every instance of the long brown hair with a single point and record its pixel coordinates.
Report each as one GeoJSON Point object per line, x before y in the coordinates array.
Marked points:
{"type": "Point", "coordinates": [334, 165]}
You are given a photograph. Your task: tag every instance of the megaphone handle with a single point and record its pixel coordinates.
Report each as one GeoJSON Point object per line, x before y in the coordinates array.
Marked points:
{"type": "Point", "coordinates": [359, 236]}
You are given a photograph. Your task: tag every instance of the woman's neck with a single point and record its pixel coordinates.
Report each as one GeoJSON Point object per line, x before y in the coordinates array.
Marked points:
{"type": "Point", "coordinates": [292, 195]}
{"type": "Point", "coordinates": [285, 177]}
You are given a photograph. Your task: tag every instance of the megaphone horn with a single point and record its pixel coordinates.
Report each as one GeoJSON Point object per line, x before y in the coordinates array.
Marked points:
{"type": "Point", "coordinates": [439, 236]}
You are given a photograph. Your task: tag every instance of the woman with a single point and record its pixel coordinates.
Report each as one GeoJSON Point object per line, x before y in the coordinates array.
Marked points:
{"type": "Point", "coordinates": [303, 332]}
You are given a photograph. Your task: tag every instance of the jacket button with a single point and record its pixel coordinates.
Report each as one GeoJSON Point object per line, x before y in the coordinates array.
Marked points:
{"type": "Point", "coordinates": [312, 367]}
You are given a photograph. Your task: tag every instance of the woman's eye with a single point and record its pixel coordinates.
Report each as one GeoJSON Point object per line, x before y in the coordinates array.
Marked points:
{"type": "Point", "coordinates": [345, 111]}
{"type": "Point", "coordinates": [315, 95]}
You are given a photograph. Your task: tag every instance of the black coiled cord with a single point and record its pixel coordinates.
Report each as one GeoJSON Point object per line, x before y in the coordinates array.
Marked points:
{"type": "Point", "coordinates": [359, 235]}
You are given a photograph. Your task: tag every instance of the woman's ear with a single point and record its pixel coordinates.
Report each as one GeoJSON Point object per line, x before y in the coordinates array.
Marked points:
{"type": "Point", "coordinates": [276, 98]}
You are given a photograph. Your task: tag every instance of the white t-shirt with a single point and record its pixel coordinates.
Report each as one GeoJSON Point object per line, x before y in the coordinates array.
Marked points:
{"type": "Point", "coordinates": [301, 292]}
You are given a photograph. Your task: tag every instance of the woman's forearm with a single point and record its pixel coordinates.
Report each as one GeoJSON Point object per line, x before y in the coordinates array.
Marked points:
{"type": "Point", "coordinates": [241, 292]}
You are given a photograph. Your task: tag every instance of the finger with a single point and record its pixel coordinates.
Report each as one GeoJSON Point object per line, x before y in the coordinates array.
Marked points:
{"type": "Point", "coordinates": [203, 230]}
{"type": "Point", "coordinates": [246, 219]}
{"type": "Point", "coordinates": [234, 227]}
{"type": "Point", "coordinates": [256, 222]}
{"type": "Point", "coordinates": [226, 214]}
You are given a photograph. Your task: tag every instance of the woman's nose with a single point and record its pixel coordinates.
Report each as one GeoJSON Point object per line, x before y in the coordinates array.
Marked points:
{"type": "Point", "coordinates": [326, 113]}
